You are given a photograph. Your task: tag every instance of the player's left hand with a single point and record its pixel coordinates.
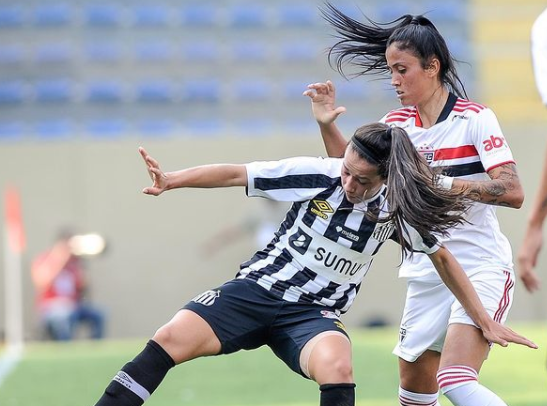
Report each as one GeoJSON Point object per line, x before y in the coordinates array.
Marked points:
{"type": "Point", "coordinates": [159, 178]}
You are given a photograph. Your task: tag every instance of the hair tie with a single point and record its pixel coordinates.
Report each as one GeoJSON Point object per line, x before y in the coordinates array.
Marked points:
{"type": "Point", "coordinates": [388, 131]}
{"type": "Point", "coordinates": [367, 152]}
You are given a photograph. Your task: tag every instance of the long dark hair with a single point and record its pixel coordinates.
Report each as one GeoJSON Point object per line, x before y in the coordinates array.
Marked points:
{"type": "Point", "coordinates": [411, 192]}
{"type": "Point", "coordinates": [364, 45]}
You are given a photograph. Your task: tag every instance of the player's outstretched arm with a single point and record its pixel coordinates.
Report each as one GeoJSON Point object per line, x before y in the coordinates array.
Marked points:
{"type": "Point", "coordinates": [459, 284]}
{"type": "Point", "coordinates": [206, 176]}
{"type": "Point", "coordinates": [323, 98]}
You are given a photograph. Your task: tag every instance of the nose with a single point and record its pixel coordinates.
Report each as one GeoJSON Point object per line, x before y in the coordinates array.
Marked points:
{"type": "Point", "coordinates": [349, 185]}
{"type": "Point", "coordinates": [395, 80]}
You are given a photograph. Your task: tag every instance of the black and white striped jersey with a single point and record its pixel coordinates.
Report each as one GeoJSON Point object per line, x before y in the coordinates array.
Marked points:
{"type": "Point", "coordinates": [325, 245]}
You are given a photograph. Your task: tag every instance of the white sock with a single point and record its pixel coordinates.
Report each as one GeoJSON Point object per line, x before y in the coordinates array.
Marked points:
{"type": "Point", "coordinates": [407, 398]}
{"type": "Point", "coordinates": [459, 383]}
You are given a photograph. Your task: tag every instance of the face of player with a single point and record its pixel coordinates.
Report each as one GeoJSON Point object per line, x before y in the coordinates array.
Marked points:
{"type": "Point", "coordinates": [360, 178]}
{"type": "Point", "coordinates": [413, 84]}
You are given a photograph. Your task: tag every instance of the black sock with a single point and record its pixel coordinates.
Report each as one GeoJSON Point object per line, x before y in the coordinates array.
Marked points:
{"type": "Point", "coordinates": [139, 378]}
{"type": "Point", "coordinates": [337, 394]}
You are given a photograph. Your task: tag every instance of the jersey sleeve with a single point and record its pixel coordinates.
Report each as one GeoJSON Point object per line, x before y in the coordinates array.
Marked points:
{"type": "Point", "coordinates": [292, 179]}
{"type": "Point", "coordinates": [489, 141]}
{"type": "Point", "coordinates": [418, 243]}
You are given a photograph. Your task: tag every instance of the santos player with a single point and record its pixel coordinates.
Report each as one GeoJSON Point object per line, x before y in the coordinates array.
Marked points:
{"type": "Point", "coordinates": [290, 295]}
{"type": "Point", "coordinates": [465, 141]}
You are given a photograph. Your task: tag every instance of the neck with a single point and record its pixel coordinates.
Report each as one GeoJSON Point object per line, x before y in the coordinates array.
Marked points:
{"type": "Point", "coordinates": [431, 108]}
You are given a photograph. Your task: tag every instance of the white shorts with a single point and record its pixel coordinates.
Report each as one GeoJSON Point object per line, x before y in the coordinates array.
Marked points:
{"type": "Point", "coordinates": [430, 307]}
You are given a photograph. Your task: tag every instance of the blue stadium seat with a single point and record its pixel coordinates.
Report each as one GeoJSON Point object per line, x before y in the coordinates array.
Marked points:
{"type": "Point", "coordinates": [251, 90]}
{"type": "Point", "coordinates": [250, 51]}
{"type": "Point", "coordinates": [254, 127]}
{"type": "Point", "coordinates": [247, 15]}
{"type": "Point", "coordinates": [390, 11]}
{"type": "Point", "coordinates": [293, 88]}
{"type": "Point", "coordinates": [156, 127]}
{"type": "Point", "coordinates": [351, 90]}
{"type": "Point", "coordinates": [108, 91]}
{"type": "Point", "coordinates": [13, 92]}
{"type": "Point", "coordinates": [155, 91]}
{"type": "Point", "coordinates": [53, 53]}
{"type": "Point", "coordinates": [12, 130]}
{"type": "Point", "coordinates": [202, 51]}
{"type": "Point", "coordinates": [197, 14]}
{"type": "Point", "coordinates": [11, 16]}
{"type": "Point", "coordinates": [53, 91]}
{"type": "Point", "coordinates": [54, 129]}
{"type": "Point", "coordinates": [210, 126]}
{"type": "Point", "coordinates": [298, 15]}
{"type": "Point", "coordinates": [202, 90]}
{"type": "Point", "coordinates": [11, 54]}
{"type": "Point", "coordinates": [296, 51]}
{"type": "Point", "coordinates": [154, 51]}
{"type": "Point", "coordinates": [103, 52]}
{"type": "Point", "coordinates": [52, 15]}
{"type": "Point", "coordinates": [107, 128]}
{"type": "Point", "coordinates": [103, 15]}
{"type": "Point", "coordinates": [151, 15]}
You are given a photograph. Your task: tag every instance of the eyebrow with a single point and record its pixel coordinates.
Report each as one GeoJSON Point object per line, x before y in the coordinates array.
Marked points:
{"type": "Point", "coordinates": [361, 178]}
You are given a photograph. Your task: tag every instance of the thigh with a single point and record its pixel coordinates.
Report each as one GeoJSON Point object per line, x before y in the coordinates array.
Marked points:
{"type": "Point", "coordinates": [425, 319]}
{"type": "Point", "coordinates": [295, 326]}
{"type": "Point", "coordinates": [239, 313]}
{"type": "Point", "coordinates": [464, 345]}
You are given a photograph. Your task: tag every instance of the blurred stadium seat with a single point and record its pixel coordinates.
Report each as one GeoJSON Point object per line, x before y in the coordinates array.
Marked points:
{"type": "Point", "coordinates": [11, 16]}
{"type": "Point", "coordinates": [154, 51]}
{"type": "Point", "coordinates": [13, 92]}
{"type": "Point", "coordinates": [103, 14]}
{"type": "Point", "coordinates": [53, 53]}
{"type": "Point", "coordinates": [53, 91]}
{"type": "Point", "coordinates": [151, 15]}
{"type": "Point", "coordinates": [202, 90]}
{"type": "Point", "coordinates": [300, 51]}
{"type": "Point", "coordinates": [251, 90]}
{"type": "Point", "coordinates": [54, 129]}
{"type": "Point", "coordinates": [199, 14]}
{"type": "Point", "coordinates": [297, 15]}
{"type": "Point", "coordinates": [155, 91]}
{"type": "Point", "coordinates": [102, 52]}
{"type": "Point", "coordinates": [249, 51]}
{"type": "Point", "coordinates": [201, 51]}
{"type": "Point", "coordinates": [156, 127]}
{"type": "Point", "coordinates": [52, 14]}
{"type": "Point", "coordinates": [107, 128]}
{"type": "Point", "coordinates": [104, 91]}
{"type": "Point", "coordinates": [12, 54]}
{"type": "Point", "coordinates": [246, 15]}
{"type": "Point", "coordinates": [12, 130]}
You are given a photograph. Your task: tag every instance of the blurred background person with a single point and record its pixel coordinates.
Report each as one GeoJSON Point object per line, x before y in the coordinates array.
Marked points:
{"type": "Point", "coordinates": [60, 286]}
{"type": "Point", "coordinates": [533, 236]}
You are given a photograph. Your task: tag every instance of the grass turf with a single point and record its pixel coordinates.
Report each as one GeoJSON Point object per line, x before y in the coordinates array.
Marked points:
{"type": "Point", "coordinates": [76, 373]}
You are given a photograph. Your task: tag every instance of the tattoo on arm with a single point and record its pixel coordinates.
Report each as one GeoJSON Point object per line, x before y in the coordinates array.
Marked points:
{"type": "Point", "coordinates": [496, 191]}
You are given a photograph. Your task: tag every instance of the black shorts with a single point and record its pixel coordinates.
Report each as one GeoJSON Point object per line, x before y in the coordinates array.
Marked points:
{"type": "Point", "coordinates": [245, 316]}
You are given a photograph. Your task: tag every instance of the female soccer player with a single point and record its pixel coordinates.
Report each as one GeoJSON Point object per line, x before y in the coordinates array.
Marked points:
{"type": "Point", "coordinates": [465, 141]}
{"type": "Point", "coordinates": [290, 295]}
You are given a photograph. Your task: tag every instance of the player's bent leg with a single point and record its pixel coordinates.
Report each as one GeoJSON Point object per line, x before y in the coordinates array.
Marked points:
{"type": "Point", "coordinates": [464, 353]}
{"type": "Point", "coordinates": [326, 359]}
{"type": "Point", "coordinates": [138, 379]}
{"type": "Point", "coordinates": [187, 336]}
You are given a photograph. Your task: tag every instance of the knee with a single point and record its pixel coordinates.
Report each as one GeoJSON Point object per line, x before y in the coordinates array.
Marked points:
{"type": "Point", "coordinates": [331, 368]}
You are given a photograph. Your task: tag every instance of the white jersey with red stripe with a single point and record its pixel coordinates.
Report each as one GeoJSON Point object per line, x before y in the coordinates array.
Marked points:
{"type": "Point", "coordinates": [466, 142]}
{"type": "Point", "coordinates": [539, 53]}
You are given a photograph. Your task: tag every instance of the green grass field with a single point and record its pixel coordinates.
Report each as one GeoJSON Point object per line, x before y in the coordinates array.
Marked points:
{"type": "Point", "coordinates": [51, 374]}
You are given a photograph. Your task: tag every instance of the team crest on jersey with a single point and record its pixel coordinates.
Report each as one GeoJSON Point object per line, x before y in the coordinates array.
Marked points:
{"type": "Point", "coordinates": [329, 314]}
{"type": "Point", "coordinates": [402, 335]}
{"type": "Point", "coordinates": [427, 152]}
{"type": "Point", "coordinates": [207, 298]}
{"type": "Point", "coordinates": [321, 208]}
{"type": "Point", "coordinates": [383, 232]}
{"type": "Point", "coordinates": [300, 241]}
